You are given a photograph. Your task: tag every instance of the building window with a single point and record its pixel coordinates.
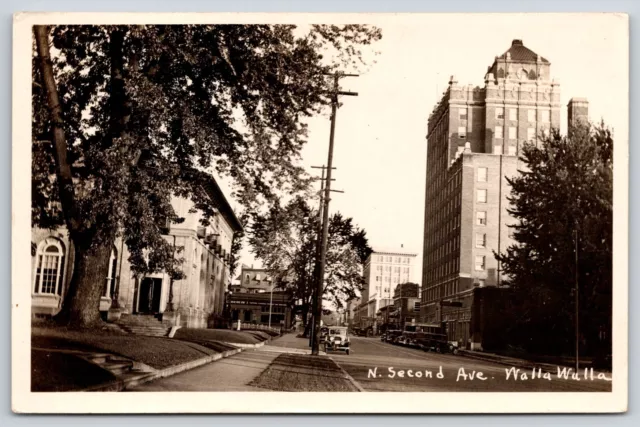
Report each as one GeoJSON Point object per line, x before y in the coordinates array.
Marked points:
{"type": "Point", "coordinates": [110, 285]}
{"type": "Point", "coordinates": [499, 113]}
{"type": "Point", "coordinates": [512, 132]}
{"type": "Point", "coordinates": [481, 196]}
{"type": "Point", "coordinates": [513, 114]}
{"type": "Point", "coordinates": [531, 134]}
{"type": "Point", "coordinates": [497, 149]}
{"type": "Point", "coordinates": [481, 240]}
{"type": "Point", "coordinates": [531, 115]}
{"type": "Point", "coordinates": [482, 174]}
{"type": "Point", "coordinates": [481, 218]}
{"type": "Point", "coordinates": [499, 132]}
{"type": "Point", "coordinates": [480, 262]}
{"type": "Point", "coordinates": [49, 268]}
{"type": "Point", "coordinates": [512, 150]}
{"type": "Point", "coordinates": [416, 306]}
{"type": "Point", "coordinates": [462, 132]}
{"type": "Point", "coordinates": [462, 113]}
{"type": "Point", "coordinates": [545, 116]}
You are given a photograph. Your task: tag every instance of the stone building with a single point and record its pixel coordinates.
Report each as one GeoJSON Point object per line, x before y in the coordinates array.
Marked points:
{"type": "Point", "coordinates": [473, 141]}
{"type": "Point", "coordinates": [193, 302]}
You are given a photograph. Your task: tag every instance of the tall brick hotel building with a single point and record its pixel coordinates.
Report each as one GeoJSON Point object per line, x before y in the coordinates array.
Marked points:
{"type": "Point", "coordinates": [473, 141]}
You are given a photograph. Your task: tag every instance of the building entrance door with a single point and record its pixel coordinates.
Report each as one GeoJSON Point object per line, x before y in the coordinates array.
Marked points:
{"type": "Point", "coordinates": [150, 291]}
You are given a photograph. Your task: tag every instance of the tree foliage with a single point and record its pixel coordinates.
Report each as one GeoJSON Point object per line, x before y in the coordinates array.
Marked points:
{"type": "Point", "coordinates": [285, 239]}
{"type": "Point", "coordinates": [145, 109]}
{"type": "Point", "coordinates": [565, 193]}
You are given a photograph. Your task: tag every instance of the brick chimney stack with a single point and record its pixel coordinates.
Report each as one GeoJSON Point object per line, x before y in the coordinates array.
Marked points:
{"type": "Point", "coordinates": [577, 112]}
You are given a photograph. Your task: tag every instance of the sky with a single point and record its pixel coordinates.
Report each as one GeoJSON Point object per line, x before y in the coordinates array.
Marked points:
{"type": "Point", "coordinates": [380, 145]}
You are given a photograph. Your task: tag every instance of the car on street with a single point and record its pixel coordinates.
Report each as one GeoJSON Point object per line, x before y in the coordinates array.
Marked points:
{"type": "Point", "coordinates": [392, 335]}
{"type": "Point", "coordinates": [337, 340]}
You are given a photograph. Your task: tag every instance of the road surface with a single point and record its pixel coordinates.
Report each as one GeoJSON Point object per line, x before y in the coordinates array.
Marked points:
{"type": "Point", "coordinates": [379, 366]}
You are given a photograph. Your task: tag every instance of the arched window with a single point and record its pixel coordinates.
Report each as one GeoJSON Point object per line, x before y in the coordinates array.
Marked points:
{"type": "Point", "coordinates": [110, 283]}
{"type": "Point", "coordinates": [49, 268]}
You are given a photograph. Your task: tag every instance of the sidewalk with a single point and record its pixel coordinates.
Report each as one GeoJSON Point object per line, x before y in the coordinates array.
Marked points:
{"type": "Point", "coordinates": [231, 374]}
{"type": "Point", "coordinates": [290, 343]}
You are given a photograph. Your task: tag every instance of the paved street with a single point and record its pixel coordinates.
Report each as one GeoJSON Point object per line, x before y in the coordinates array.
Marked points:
{"type": "Point", "coordinates": [376, 366]}
{"type": "Point", "coordinates": [370, 353]}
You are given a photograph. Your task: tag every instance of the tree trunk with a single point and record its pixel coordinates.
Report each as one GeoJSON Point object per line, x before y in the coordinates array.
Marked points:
{"type": "Point", "coordinates": [81, 304]}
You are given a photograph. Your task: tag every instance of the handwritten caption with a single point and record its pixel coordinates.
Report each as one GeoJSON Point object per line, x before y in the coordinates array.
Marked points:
{"type": "Point", "coordinates": [512, 374]}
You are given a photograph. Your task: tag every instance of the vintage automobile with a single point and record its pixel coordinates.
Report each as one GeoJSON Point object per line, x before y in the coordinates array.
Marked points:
{"type": "Point", "coordinates": [337, 340]}
{"type": "Point", "coordinates": [391, 335]}
{"type": "Point", "coordinates": [437, 343]}
{"type": "Point", "coordinates": [412, 339]}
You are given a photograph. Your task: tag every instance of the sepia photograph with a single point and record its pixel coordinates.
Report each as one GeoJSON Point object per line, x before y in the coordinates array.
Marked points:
{"type": "Point", "coordinates": [421, 204]}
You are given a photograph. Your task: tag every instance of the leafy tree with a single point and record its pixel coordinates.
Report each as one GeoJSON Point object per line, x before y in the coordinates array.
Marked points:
{"type": "Point", "coordinates": [564, 194]}
{"type": "Point", "coordinates": [285, 239]}
{"type": "Point", "coordinates": [125, 117]}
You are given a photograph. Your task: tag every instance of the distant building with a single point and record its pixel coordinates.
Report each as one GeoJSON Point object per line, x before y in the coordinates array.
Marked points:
{"type": "Point", "coordinates": [255, 299]}
{"type": "Point", "coordinates": [192, 302]}
{"type": "Point", "coordinates": [252, 280]}
{"type": "Point", "coordinates": [383, 271]}
{"type": "Point", "coordinates": [406, 305]}
{"type": "Point", "coordinates": [473, 141]}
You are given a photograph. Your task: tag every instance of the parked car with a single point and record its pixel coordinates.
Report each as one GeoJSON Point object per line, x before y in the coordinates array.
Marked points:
{"type": "Point", "coordinates": [437, 343]}
{"type": "Point", "coordinates": [392, 335]}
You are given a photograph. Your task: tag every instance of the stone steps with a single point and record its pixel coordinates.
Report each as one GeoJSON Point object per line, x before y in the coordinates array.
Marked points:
{"type": "Point", "coordinates": [155, 331]}
{"type": "Point", "coordinates": [144, 325]}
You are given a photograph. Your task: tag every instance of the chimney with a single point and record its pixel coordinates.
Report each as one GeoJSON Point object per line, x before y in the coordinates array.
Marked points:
{"type": "Point", "coordinates": [516, 42]}
{"type": "Point", "coordinates": [577, 112]}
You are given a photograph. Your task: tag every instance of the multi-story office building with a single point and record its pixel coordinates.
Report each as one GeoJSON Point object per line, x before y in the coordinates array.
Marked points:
{"type": "Point", "coordinates": [383, 271]}
{"type": "Point", "coordinates": [474, 138]}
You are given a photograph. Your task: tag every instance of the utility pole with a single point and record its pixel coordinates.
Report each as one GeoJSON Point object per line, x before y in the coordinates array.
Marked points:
{"type": "Point", "coordinates": [315, 350]}
{"type": "Point", "coordinates": [316, 267]}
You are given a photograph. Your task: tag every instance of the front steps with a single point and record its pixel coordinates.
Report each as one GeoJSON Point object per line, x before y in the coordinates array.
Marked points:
{"type": "Point", "coordinates": [148, 325]}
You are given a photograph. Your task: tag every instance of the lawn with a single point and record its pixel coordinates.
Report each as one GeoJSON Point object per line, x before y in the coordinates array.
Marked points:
{"type": "Point", "coordinates": [52, 371]}
{"type": "Point", "coordinates": [298, 372]}
{"type": "Point", "coordinates": [223, 335]}
{"type": "Point", "coordinates": [156, 352]}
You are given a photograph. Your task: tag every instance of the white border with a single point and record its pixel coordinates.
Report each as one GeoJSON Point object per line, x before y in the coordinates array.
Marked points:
{"type": "Point", "coordinates": [24, 401]}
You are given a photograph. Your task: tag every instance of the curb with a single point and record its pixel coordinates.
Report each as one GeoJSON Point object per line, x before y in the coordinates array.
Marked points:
{"type": "Point", "coordinates": [353, 382]}
{"type": "Point", "coordinates": [243, 346]}
{"type": "Point", "coordinates": [123, 384]}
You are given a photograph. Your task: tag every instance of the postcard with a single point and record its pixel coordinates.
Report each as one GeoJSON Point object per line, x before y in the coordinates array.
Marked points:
{"type": "Point", "coordinates": [276, 213]}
